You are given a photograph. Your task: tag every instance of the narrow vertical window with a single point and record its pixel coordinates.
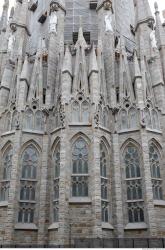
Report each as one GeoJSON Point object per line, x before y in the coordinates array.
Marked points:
{"type": "Point", "coordinates": [123, 120]}
{"type": "Point", "coordinates": [6, 175]}
{"type": "Point", "coordinates": [132, 118]}
{"type": "Point", "coordinates": [85, 112]}
{"type": "Point", "coordinates": [80, 168]}
{"type": "Point", "coordinates": [28, 119]}
{"type": "Point", "coordinates": [104, 182]}
{"type": "Point", "coordinates": [155, 163]}
{"type": "Point", "coordinates": [135, 202]}
{"type": "Point", "coordinates": [39, 121]}
{"type": "Point", "coordinates": [75, 112]}
{"type": "Point", "coordinates": [28, 183]}
{"type": "Point", "coordinates": [56, 169]}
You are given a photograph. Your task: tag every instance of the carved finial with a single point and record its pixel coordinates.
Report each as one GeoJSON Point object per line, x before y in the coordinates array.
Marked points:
{"type": "Point", "coordinates": [156, 6]}
{"type": "Point", "coordinates": [80, 21]}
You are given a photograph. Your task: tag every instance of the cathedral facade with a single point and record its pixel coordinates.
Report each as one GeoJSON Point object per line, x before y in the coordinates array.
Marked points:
{"type": "Point", "coordinates": [82, 121]}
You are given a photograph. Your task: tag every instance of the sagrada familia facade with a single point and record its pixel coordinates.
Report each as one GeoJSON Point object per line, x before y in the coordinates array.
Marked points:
{"type": "Point", "coordinates": [82, 121]}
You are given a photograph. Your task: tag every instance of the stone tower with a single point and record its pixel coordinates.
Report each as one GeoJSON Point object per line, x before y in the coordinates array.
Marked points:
{"type": "Point", "coordinates": [82, 130]}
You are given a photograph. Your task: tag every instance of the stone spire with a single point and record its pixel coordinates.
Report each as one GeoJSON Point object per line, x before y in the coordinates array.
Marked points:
{"type": "Point", "coordinates": [55, 49]}
{"type": "Point", "coordinates": [94, 77]}
{"type": "Point", "coordinates": [138, 82]}
{"type": "Point", "coordinates": [67, 76]}
{"type": "Point", "coordinates": [24, 84]}
{"type": "Point", "coordinates": [160, 35]}
{"type": "Point", "coordinates": [143, 12]}
{"type": "Point", "coordinates": [21, 14]}
{"type": "Point", "coordinates": [4, 17]}
{"type": "Point", "coordinates": [80, 82]}
{"type": "Point", "coordinates": [126, 91]}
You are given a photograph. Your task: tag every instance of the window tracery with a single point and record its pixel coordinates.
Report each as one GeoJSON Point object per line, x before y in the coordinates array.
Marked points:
{"type": "Point", "coordinates": [104, 182]}
{"type": "Point", "coordinates": [80, 168]}
{"type": "Point", "coordinates": [56, 170]}
{"type": "Point", "coordinates": [128, 118]}
{"type": "Point", "coordinates": [155, 163]}
{"type": "Point", "coordinates": [6, 175]}
{"type": "Point", "coordinates": [28, 183]}
{"type": "Point", "coordinates": [81, 111]}
{"type": "Point", "coordinates": [135, 202]}
{"type": "Point", "coordinates": [34, 120]}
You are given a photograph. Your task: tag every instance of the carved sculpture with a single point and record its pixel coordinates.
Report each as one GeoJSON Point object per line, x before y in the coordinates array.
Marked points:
{"type": "Point", "coordinates": [53, 20]}
{"type": "Point", "coordinates": [11, 42]}
{"type": "Point", "coordinates": [108, 22]}
{"type": "Point", "coordinates": [153, 40]}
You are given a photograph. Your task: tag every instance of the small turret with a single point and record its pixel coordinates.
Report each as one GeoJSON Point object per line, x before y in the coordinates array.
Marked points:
{"type": "Point", "coordinates": [4, 17]}
{"type": "Point", "coordinates": [160, 35]}
{"type": "Point", "coordinates": [23, 84]}
{"type": "Point", "coordinates": [67, 76]}
{"type": "Point", "coordinates": [94, 77]}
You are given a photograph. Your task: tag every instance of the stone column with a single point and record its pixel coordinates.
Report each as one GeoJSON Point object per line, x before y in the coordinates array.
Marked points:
{"type": "Point", "coordinates": [43, 203]}
{"type": "Point", "coordinates": [148, 185]}
{"type": "Point", "coordinates": [13, 192]}
{"type": "Point", "coordinates": [119, 222]}
{"type": "Point", "coordinates": [96, 186]}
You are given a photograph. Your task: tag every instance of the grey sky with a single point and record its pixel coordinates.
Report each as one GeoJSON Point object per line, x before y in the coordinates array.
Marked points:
{"type": "Point", "coordinates": [161, 4]}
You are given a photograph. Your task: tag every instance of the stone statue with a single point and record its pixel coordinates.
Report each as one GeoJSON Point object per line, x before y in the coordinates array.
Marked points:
{"type": "Point", "coordinates": [11, 42]}
{"type": "Point", "coordinates": [108, 22]}
{"type": "Point", "coordinates": [53, 20]}
{"type": "Point", "coordinates": [153, 40]}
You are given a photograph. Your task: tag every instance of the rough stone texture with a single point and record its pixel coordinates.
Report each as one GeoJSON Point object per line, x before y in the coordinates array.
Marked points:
{"type": "Point", "coordinates": [60, 92]}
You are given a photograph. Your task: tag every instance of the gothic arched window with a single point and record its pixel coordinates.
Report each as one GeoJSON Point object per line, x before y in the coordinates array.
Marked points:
{"type": "Point", "coordinates": [132, 118]}
{"type": "Point", "coordinates": [7, 166]}
{"type": "Point", "coordinates": [148, 118]}
{"type": "Point", "coordinates": [8, 121]}
{"type": "Point", "coordinates": [39, 120]}
{"type": "Point", "coordinates": [75, 112]}
{"type": "Point", "coordinates": [123, 119]}
{"type": "Point", "coordinates": [28, 119]}
{"type": "Point", "coordinates": [28, 183]}
{"type": "Point", "coordinates": [104, 182]}
{"type": "Point", "coordinates": [155, 163]}
{"type": "Point", "coordinates": [85, 111]}
{"type": "Point", "coordinates": [80, 168]}
{"type": "Point", "coordinates": [14, 121]}
{"type": "Point", "coordinates": [134, 184]}
{"type": "Point", "coordinates": [155, 120]}
{"type": "Point", "coordinates": [56, 165]}
{"type": "Point", "coordinates": [105, 118]}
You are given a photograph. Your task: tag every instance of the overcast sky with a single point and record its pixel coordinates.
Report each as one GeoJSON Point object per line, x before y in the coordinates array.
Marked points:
{"type": "Point", "coordinates": [161, 4]}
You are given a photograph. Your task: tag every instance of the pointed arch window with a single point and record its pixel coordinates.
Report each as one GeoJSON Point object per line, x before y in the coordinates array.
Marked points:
{"type": "Point", "coordinates": [80, 168]}
{"type": "Point", "coordinates": [6, 175]}
{"type": "Point", "coordinates": [105, 118]}
{"type": "Point", "coordinates": [75, 112]}
{"type": "Point", "coordinates": [132, 114]}
{"type": "Point", "coordinates": [155, 120]}
{"type": "Point", "coordinates": [39, 120]}
{"type": "Point", "coordinates": [28, 183]}
{"type": "Point", "coordinates": [155, 165]}
{"type": "Point", "coordinates": [123, 120]}
{"type": "Point", "coordinates": [28, 119]}
{"type": "Point", "coordinates": [104, 182]}
{"type": "Point", "coordinates": [85, 112]}
{"type": "Point", "coordinates": [56, 170]}
{"type": "Point", "coordinates": [14, 121]}
{"type": "Point", "coordinates": [135, 202]}
{"type": "Point", "coordinates": [8, 122]}
{"type": "Point", "coordinates": [80, 112]}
